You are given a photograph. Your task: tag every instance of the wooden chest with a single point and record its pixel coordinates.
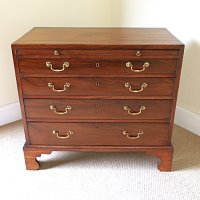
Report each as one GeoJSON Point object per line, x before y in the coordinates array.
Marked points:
{"type": "Point", "coordinates": [98, 89]}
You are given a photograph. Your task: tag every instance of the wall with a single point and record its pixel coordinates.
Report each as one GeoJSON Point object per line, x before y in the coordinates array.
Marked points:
{"type": "Point", "coordinates": [18, 17]}
{"type": "Point", "coordinates": [180, 17]}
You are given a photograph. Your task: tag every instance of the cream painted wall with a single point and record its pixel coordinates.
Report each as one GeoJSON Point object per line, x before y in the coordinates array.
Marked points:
{"type": "Point", "coordinates": [180, 17]}
{"type": "Point", "coordinates": [18, 17]}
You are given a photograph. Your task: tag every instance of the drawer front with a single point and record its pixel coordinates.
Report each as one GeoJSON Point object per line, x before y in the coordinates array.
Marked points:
{"type": "Point", "coordinates": [98, 133]}
{"type": "Point", "coordinates": [98, 86]}
{"type": "Point", "coordinates": [97, 67]}
{"type": "Point", "coordinates": [109, 54]}
{"type": "Point", "coordinates": [97, 109]}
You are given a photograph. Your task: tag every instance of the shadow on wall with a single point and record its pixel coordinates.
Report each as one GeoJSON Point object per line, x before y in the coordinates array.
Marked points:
{"type": "Point", "coordinates": [189, 94]}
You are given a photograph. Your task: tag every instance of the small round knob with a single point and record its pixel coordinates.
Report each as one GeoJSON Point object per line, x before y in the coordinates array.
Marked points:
{"type": "Point", "coordinates": [56, 53]}
{"type": "Point", "coordinates": [138, 53]}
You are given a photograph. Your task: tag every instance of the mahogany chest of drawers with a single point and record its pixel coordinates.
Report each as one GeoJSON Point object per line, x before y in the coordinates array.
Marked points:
{"type": "Point", "coordinates": [98, 89]}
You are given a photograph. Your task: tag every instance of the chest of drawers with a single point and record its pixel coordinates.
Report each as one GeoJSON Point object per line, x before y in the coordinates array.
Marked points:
{"type": "Point", "coordinates": [98, 89]}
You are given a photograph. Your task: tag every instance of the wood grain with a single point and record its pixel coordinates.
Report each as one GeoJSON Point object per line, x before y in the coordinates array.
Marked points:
{"type": "Point", "coordinates": [97, 109]}
{"type": "Point", "coordinates": [98, 86]}
{"type": "Point", "coordinates": [99, 36]}
{"type": "Point", "coordinates": [97, 54]}
{"type": "Point", "coordinates": [98, 133]}
{"type": "Point", "coordinates": [30, 157]}
{"type": "Point", "coordinates": [98, 95]}
{"type": "Point", "coordinates": [164, 153]}
{"type": "Point", "coordinates": [86, 67]}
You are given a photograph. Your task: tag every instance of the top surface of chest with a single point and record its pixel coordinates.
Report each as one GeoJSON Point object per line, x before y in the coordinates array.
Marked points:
{"type": "Point", "coordinates": [99, 38]}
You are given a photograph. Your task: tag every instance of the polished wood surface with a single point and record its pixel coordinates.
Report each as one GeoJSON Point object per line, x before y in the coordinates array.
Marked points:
{"type": "Point", "coordinates": [96, 54]}
{"type": "Point", "coordinates": [30, 158]}
{"type": "Point", "coordinates": [164, 153]}
{"type": "Point", "coordinates": [98, 86]}
{"type": "Point", "coordinates": [98, 36]}
{"type": "Point", "coordinates": [97, 72]}
{"type": "Point", "coordinates": [98, 133]}
{"type": "Point", "coordinates": [97, 109]}
{"type": "Point", "coordinates": [158, 67]}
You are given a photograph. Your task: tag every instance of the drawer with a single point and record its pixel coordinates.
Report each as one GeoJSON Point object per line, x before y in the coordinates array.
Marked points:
{"type": "Point", "coordinates": [131, 67]}
{"type": "Point", "coordinates": [98, 133]}
{"type": "Point", "coordinates": [109, 54]}
{"type": "Point", "coordinates": [98, 86]}
{"type": "Point", "coordinates": [97, 109]}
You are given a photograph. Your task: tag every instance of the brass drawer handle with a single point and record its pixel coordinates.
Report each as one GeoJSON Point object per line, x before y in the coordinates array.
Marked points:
{"type": "Point", "coordinates": [128, 85]}
{"type": "Point", "coordinates": [66, 85]}
{"type": "Point", "coordinates": [145, 65]}
{"type": "Point", "coordinates": [127, 134]}
{"type": "Point", "coordinates": [65, 65]}
{"type": "Point", "coordinates": [62, 137]}
{"type": "Point", "coordinates": [60, 112]}
{"type": "Point", "coordinates": [142, 108]}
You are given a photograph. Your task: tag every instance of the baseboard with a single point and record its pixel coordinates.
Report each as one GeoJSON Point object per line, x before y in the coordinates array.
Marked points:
{"type": "Point", "coordinates": [188, 120]}
{"type": "Point", "coordinates": [10, 113]}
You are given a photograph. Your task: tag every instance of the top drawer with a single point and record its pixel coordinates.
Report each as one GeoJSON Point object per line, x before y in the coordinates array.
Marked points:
{"type": "Point", "coordinates": [110, 54]}
{"type": "Point", "coordinates": [87, 67]}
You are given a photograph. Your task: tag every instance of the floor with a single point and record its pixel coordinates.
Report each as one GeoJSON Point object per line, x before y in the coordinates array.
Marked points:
{"type": "Point", "coordinates": [99, 176]}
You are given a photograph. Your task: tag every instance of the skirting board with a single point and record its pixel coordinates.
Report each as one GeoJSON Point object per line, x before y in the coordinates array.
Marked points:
{"type": "Point", "coordinates": [10, 113]}
{"type": "Point", "coordinates": [187, 120]}
{"type": "Point", "coordinates": [184, 118]}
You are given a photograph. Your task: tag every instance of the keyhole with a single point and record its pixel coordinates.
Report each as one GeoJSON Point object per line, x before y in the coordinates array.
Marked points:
{"type": "Point", "coordinates": [97, 64]}
{"type": "Point", "coordinates": [97, 128]}
{"type": "Point", "coordinates": [97, 104]}
{"type": "Point", "coordinates": [97, 83]}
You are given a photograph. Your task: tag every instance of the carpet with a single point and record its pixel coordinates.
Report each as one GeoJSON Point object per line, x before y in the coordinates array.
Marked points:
{"type": "Point", "coordinates": [99, 176]}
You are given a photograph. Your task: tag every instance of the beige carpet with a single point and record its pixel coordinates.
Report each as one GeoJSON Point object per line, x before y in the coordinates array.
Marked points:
{"type": "Point", "coordinates": [98, 176]}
